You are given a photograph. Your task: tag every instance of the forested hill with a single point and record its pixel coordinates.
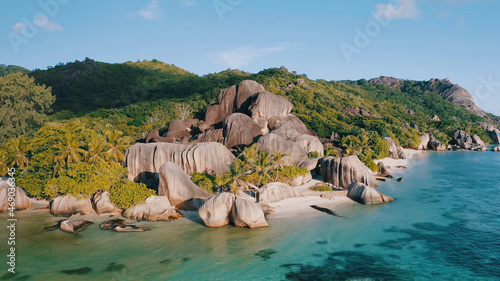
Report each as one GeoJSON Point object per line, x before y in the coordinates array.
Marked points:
{"type": "Point", "coordinates": [144, 94]}
{"type": "Point", "coordinates": [9, 69]}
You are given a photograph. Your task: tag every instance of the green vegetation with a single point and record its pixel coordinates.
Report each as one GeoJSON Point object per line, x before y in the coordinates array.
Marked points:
{"type": "Point", "coordinates": [321, 188]}
{"type": "Point", "coordinates": [23, 104]}
{"type": "Point", "coordinates": [130, 194]}
{"type": "Point", "coordinates": [9, 69]}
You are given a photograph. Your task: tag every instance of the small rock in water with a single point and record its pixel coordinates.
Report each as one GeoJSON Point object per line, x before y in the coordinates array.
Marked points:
{"type": "Point", "coordinates": [186, 259]}
{"type": "Point", "coordinates": [165, 261]}
{"type": "Point", "coordinates": [380, 179]}
{"type": "Point", "coordinates": [322, 242]}
{"type": "Point", "coordinates": [389, 177]}
{"type": "Point", "coordinates": [130, 228]}
{"type": "Point", "coordinates": [110, 224]}
{"type": "Point", "coordinates": [288, 265]}
{"type": "Point", "coordinates": [78, 271]}
{"type": "Point", "coordinates": [74, 226]}
{"type": "Point", "coordinates": [266, 254]}
{"type": "Point", "coordinates": [50, 228]}
{"type": "Point", "coordinates": [400, 179]}
{"type": "Point", "coordinates": [113, 267]}
{"type": "Point", "coordinates": [359, 245]}
{"type": "Point", "coordinates": [401, 167]}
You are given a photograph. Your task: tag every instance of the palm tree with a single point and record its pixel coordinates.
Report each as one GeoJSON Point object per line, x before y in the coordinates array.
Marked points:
{"type": "Point", "coordinates": [117, 145]}
{"type": "Point", "coordinates": [96, 151]}
{"type": "Point", "coordinates": [278, 162]}
{"type": "Point", "coordinates": [69, 151]}
{"type": "Point", "coordinates": [16, 154]}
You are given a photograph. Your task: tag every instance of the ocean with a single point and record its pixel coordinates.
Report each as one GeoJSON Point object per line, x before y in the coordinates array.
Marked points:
{"type": "Point", "coordinates": [443, 225]}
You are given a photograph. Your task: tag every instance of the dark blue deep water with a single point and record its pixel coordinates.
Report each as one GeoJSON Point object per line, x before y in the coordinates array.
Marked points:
{"type": "Point", "coordinates": [443, 225]}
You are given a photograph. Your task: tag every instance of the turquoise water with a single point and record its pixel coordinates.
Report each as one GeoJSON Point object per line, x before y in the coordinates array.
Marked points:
{"type": "Point", "coordinates": [443, 225]}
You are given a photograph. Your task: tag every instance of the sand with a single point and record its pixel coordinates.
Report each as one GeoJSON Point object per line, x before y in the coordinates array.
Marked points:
{"type": "Point", "coordinates": [392, 164]}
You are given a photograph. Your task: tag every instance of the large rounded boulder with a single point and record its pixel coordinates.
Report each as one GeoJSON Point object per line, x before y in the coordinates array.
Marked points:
{"type": "Point", "coordinates": [246, 89]}
{"type": "Point", "coordinates": [435, 144]}
{"type": "Point", "coordinates": [277, 191]}
{"type": "Point", "coordinates": [424, 142]}
{"type": "Point", "coordinates": [102, 204]}
{"type": "Point", "coordinates": [22, 201]}
{"type": "Point", "coordinates": [214, 212]}
{"type": "Point", "coordinates": [247, 214]}
{"type": "Point", "coordinates": [365, 194]}
{"type": "Point", "coordinates": [156, 208]}
{"type": "Point", "coordinates": [177, 186]}
{"type": "Point", "coordinates": [343, 171]}
{"type": "Point", "coordinates": [240, 129]}
{"type": "Point", "coordinates": [395, 150]}
{"type": "Point", "coordinates": [69, 205]}
{"type": "Point", "coordinates": [266, 105]}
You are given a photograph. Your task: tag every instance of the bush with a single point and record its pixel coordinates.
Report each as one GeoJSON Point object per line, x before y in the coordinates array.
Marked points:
{"type": "Point", "coordinates": [313, 155]}
{"type": "Point", "coordinates": [130, 194]}
{"type": "Point", "coordinates": [331, 151]}
{"type": "Point", "coordinates": [205, 181]}
{"type": "Point", "coordinates": [32, 184]}
{"type": "Point", "coordinates": [321, 188]}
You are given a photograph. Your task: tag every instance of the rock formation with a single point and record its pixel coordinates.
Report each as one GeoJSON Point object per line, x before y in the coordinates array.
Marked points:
{"type": "Point", "coordinates": [287, 122]}
{"type": "Point", "coordinates": [69, 205]}
{"type": "Point", "coordinates": [177, 186]}
{"type": "Point", "coordinates": [494, 135]}
{"type": "Point", "coordinates": [102, 204]}
{"type": "Point", "coordinates": [343, 171]}
{"type": "Point", "coordinates": [22, 200]}
{"type": "Point", "coordinates": [395, 150]}
{"type": "Point", "coordinates": [144, 160]}
{"type": "Point", "coordinates": [424, 142]}
{"type": "Point", "coordinates": [239, 129]}
{"type": "Point", "coordinates": [463, 141]}
{"type": "Point", "coordinates": [382, 169]}
{"type": "Point", "coordinates": [246, 89]}
{"type": "Point", "coordinates": [156, 208]}
{"type": "Point", "coordinates": [436, 145]}
{"type": "Point", "coordinates": [496, 149]}
{"type": "Point", "coordinates": [277, 191]}
{"type": "Point", "coordinates": [74, 226]}
{"type": "Point", "coordinates": [247, 214]}
{"type": "Point", "coordinates": [266, 105]}
{"type": "Point", "coordinates": [365, 194]}
{"type": "Point", "coordinates": [182, 125]}
{"type": "Point", "coordinates": [214, 135]}
{"type": "Point", "coordinates": [274, 143]}
{"type": "Point", "coordinates": [214, 212]}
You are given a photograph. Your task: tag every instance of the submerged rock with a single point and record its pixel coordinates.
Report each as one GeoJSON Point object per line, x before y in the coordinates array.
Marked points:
{"type": "Point", "coordinates": [69, 205]}
{"type": "Point", "coordinates": [496, 149]}
{"type": "Point", "coordinates": [365, 194]}
{"type": "Point", "coordinates": [177, 186]}
{"type": "Point", "coordinates": [130, 228]}
{"type": "Point", "coordinates": [247, 214]}
{"type": "Point", "coordinates": [266, 254]}
{"type": "Point", "coordinates": [343, 171]}
{"type": "Point", "coordinates": [74, 226]}
{"type": "Point", "coordinates": [22, 200]}
{"type": "Point", "coordinates": [78, 271]}
{"type": "Point", "coordinates": [111, 224]}
{"type": "Point", "coordinates": [214, 212]}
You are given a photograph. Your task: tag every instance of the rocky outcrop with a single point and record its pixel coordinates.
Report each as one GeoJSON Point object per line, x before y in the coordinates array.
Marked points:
{"type": "Point", "coordinates": [478, 143]}
{"type": "Point", "coordinates": [177, 186]}
{"type": "Point", "coordinates": [214, 135]}
{"type": "Point", "coordinates": [266, 105]}
{"type": "Point", "coordinates": [182, 125]}
{"type": "Point", "coordinates": [395, 150]}
{"type": "Point", "coordinates": [277, 191]}
{"type": "Point", "coordinates": [239, 129]}
{"type": "Point", "coordinates": [21, 200]}
{"type": "Point", "coordinates": [177, 137]}
{"type": "Point", "coordinates": [287, 122]}
{"type": "Point", "coordinates": [365, 194]}
{"type": "Point", "coordinates": [388, 81]}
{"type": "Point", "coordinates": [357, 112]}
{"type": "Point", "coordinates": [214, 212]}
{"type": "Point", "coordinates": [343, 171]}
{"type": "Point", "coordinates": [275, 143]}
{"type": "Point", "coordinates": [74, 226]}
{"type": "Point", "coordinates": [213, 115]}
{"type": "Point", "coordinates": [144, 160]}
{"type": "Point", "coordinates": [436, 145]}
{"type": "Point", "coordinates": [382, 169]}
{"type": "Point", "coordinates": [424, 142]}
{"type": "Point", "coordinates": [455, 94]}
{"type": "Point", "coordinates": [436, 118]}
{"type": "Point", "coordinates": [246, 89]}
{"type": "Point", "coordinates": [156, 208]}
{"type": "Point", "coordinates": [463, 141]}
{"type": "Point", "coordinates": [247, 214]}
{"type": "Point", "coordinates": [154, 136]}
{"type": "Point", "coordinates": [102, 204]}
{"type": "Point", "coordinates": [69, 205]}
{"type": "Point", "coordinates": [494, 135]}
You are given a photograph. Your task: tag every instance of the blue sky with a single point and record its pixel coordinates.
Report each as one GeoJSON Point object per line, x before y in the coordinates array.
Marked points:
{"type": "Point", "coordinates": [332, 40]}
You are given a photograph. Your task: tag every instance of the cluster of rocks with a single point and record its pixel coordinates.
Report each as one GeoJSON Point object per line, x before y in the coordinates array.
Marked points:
{"type": "Point", "coordinates": [492, 131]}
{"type": "Point", "coordinates": [348, 111]}
{"type": "Point", "coordinates": [462, 140]}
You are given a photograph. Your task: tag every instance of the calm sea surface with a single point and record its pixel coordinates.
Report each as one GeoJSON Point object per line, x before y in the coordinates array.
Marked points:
{"type": "Point", "coordinates": [443, 225]}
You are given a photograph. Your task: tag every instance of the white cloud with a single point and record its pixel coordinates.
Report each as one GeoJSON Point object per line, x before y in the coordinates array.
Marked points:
{"type": "Point", "coordinates": [403, 9]}
{"type": "Point", "coordinates": [242, 56]}
{"type": "Point", "coordinates": [18, 28]}
{"type": "Point", "coordinates": [45, 23]}
{"type": "Point", "coordinates": [151, 11]}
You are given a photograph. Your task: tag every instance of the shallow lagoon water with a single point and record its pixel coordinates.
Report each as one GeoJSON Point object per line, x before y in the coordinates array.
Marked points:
{"type": "Point", "coordinates": [443, 225]}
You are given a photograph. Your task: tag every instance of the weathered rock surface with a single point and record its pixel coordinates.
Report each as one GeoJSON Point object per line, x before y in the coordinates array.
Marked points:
{"type": "Point", "coordinates": [211, 136]}
{"type": "Point", "coordinates": [144, 160]}
{"type": "Point", "coordinates": [309, 143]}
{"type": "Point", "coordinates": [435, 118]}
{"type": "Point", "coordinates": [275, 143]}
{"type": "Point", "coordinates": [436, 145]}
{"type": "Point", "coordinates": [213, 115]}
{"type": "Point", "coordinates": [246, 89]}
{"type": "Point", "coordinates": [309, 164]}
{"type": "Point", "coordinates": [388, 81]}
{"type": "Point", "coordinates": [287, 122]}
{"type": "Point", "coordinates": [156, 208]}
{"type": "Point", "coordinates": [131, 228]}
{"type": "Point", "coordinates": [177, 186]}
{"type": "Point", "coordinates": [177, 137]}
{"type": "Point", "coordinates": [494, 135]}
{"type": "Point", "coordinates": [343, 171]}
{"type": "Point", "coordinates": [395, 150]}
{"type": "Point", "coordinates": [424, 142]}
{"type": "Point", "coordinates": [102, 204]}
{"type": "Point", "coordinates": [154, 136]}
{"type": "Point", "coordinates": [462, 139]}
{"type": "Point", "coordinates": [365, 194]}
{"type": "Point", "coordinates": [22, 200]}
{"type": "Point", "coordinates": [247, 214]}
{"type": "Point", "coordinates": [478, 142]}
{"type": "Point", "coordinates": [214, 212]}
{"type": "Point", "coordinates": [69, 205]}
{"type": "Point", "coordinates": [240, 129]}
{"type": "Point", "coordinates": [277, 191]}
{"type": "Point", "coordinates": [74, 226]}
{"type": "Point", "coordinates": [455, 94]}
{"type": "Point", "coordinates": [496, 149]}
{"type": "Point", "coordinates": [266, 105]}
{"type": "Point", "coordinates": [382, 169]}
{"type": "Point", "coordinates": [182, 125]}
